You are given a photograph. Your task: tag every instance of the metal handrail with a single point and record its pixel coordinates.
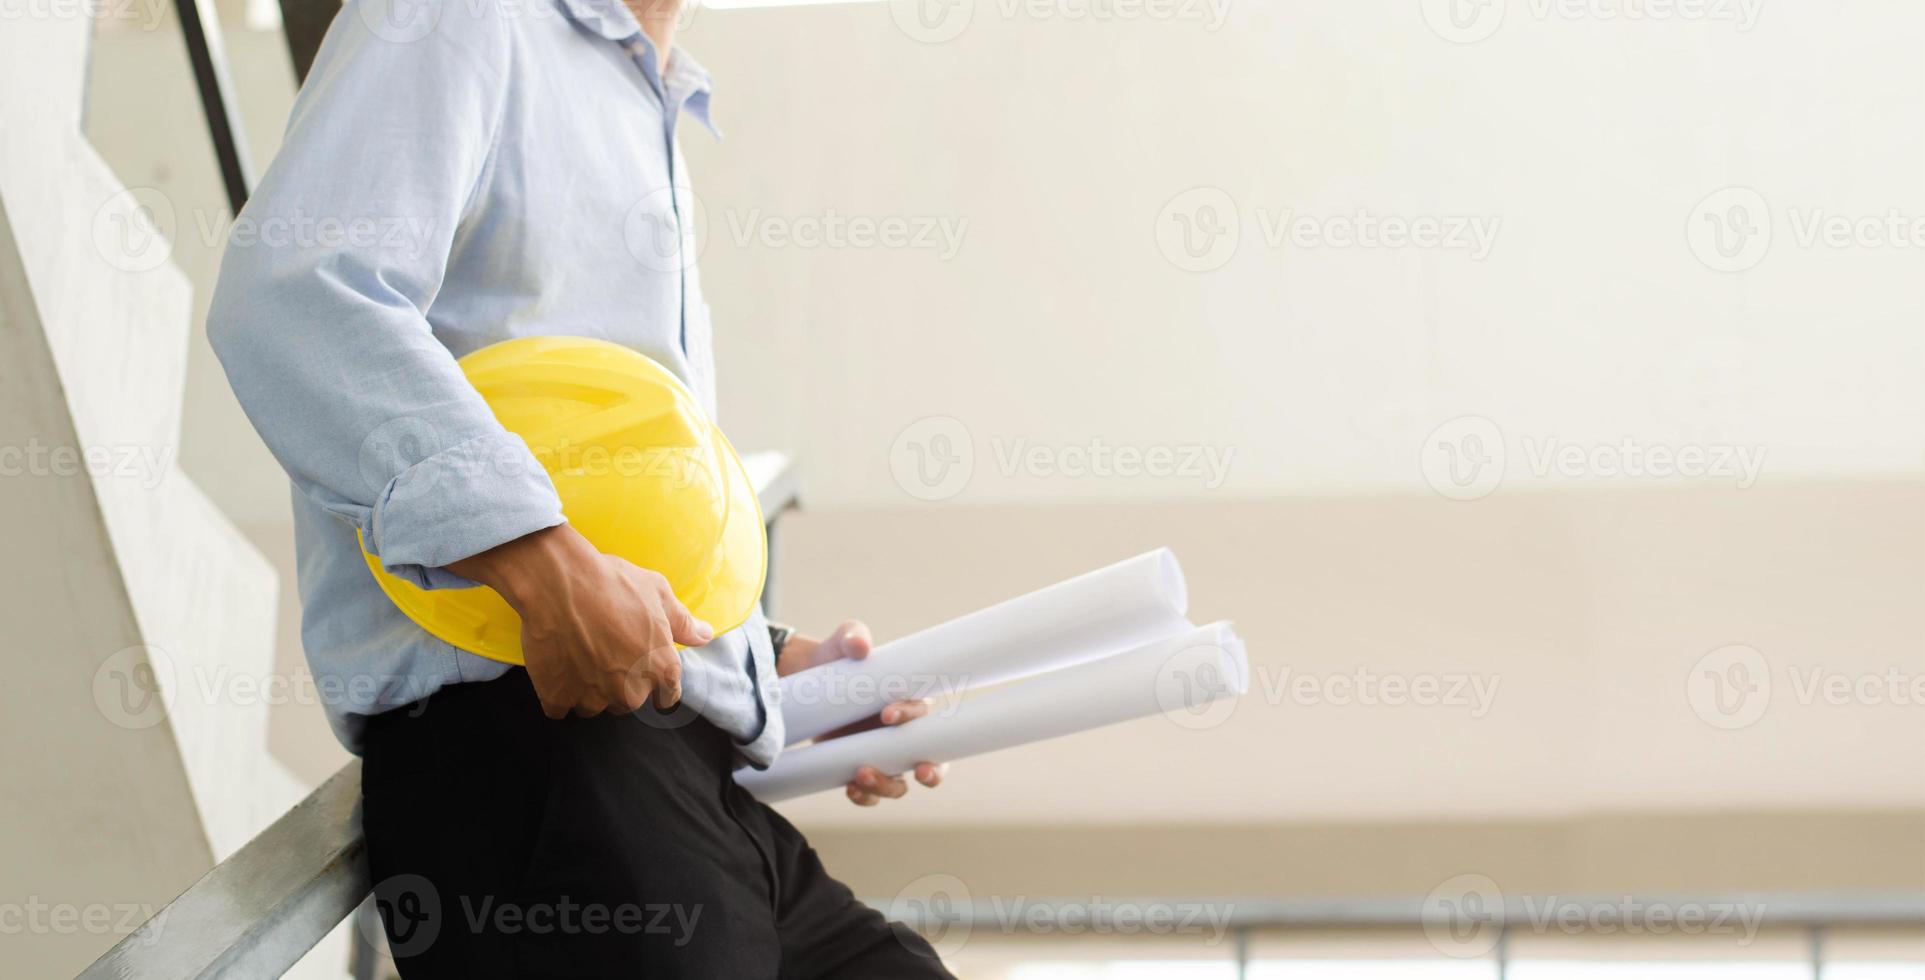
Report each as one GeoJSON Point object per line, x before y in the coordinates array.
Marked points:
{"type": "Point", "coordinates": [258, 912]}
{"type": "Point", "coordinates": [1770, 910]}
{"type": "Point", "coordinates": [201, 29]}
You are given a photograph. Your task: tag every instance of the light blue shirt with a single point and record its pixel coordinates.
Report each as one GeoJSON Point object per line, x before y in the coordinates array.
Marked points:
{"type": "Point", "coordinates": [456, 173]}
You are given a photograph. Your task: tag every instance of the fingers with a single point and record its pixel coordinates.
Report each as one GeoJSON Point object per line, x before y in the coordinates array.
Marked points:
{"type": "Point", "coordinates": [636, 689]}
{"type": "Point", "coordinates": [668, 685]}
{"type": "Point", "coordinates": [903, 711]}
{"type": "Point", "coordinates": [871, 786]}
{"type": "Point", "coordinates": [930, 773]}
{"type": "Point", "coordinates": [892, 714]}
{"type": "Point", "coordinates": [682, 624]}
{"type": "Point", "coordinates": [852, 641]}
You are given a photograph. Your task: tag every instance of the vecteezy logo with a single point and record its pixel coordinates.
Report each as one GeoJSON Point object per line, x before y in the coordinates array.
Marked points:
{"type": "Point", "coordinates": [1464, 458]}
{"type": "Point", "coordinates": [1194, 688]}
{"type": "Point", "coordinates": [393, 447]}
{"type": "Point", "coordinates": [1730, 230]}
{"type": "Point", "coordinates": [933, 21]}
{"type": "Point", "coordinates": [1199, 229]}
{"type": "Point", "coordinates": [1464, 916]}
{"type": "Point", "coordinates": [410, 908]}
{"type": "Point", "coordinates": [1463, 21]}
{"type": "Point", "coordinates": [938, 907]}
{"type": "Point", "coordinates": [667, 229]}
{"type": "Point", "coordinates": [933, 458]}
{"type": "Point", "coordinates": [134, 229]}
{"type": "Point", "coordinates": [400, 21]}
{"type": "Point", "coordinates": [1730, 687]}
{"type": "Point", "coordinates": [135, 687]}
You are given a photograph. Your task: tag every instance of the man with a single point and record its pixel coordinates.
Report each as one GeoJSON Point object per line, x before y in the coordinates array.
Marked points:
{"type": "Point", "coordinates": [455, 173]}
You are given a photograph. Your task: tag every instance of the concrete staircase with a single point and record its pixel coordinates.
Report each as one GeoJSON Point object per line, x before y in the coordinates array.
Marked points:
{"type": "Point", "coordinates": [140, 623]}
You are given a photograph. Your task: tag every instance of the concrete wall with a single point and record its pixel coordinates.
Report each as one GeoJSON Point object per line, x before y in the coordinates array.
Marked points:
{"type": "Point", "coordinates": [1075, 151]}
{"type": "Point", "coordinates": [1072, 317]}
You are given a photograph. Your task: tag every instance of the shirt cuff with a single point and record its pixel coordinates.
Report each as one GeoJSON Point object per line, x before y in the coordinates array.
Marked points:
{"type": "Point", "coordinates": [458, 503]}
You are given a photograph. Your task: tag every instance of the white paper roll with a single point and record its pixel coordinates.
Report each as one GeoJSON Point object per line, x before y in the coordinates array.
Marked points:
{"type": "Point", "coordinates": [1180, 677]}
{"type": "Point", "coordinates": [1092, 615]}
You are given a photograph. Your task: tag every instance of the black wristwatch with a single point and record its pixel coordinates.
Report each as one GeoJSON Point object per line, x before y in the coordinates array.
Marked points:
{"type": "Point", "coordinates": [779, 636]}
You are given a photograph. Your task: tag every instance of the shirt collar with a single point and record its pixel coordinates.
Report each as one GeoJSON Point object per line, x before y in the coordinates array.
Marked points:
{"type": "Point", "coordinates": [613, 20]}
{"type": "Point", "coordinates": [685, 74]}
{"type": "Point", "coordinates": [610, 18]}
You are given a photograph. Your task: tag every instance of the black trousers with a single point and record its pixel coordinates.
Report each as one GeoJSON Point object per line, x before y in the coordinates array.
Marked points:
{"type": "Point", "coordinates": [504, 844]}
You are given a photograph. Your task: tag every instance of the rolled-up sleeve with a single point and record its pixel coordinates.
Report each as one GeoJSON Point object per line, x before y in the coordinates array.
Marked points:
{"type": "Point", "coordinates": [322, 314]}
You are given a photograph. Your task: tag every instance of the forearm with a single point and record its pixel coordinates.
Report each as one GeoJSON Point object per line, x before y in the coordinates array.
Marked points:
{"type": "Point", "coordinates": [522, 569]}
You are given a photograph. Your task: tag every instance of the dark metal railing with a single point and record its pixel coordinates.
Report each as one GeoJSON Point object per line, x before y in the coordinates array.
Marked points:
{"type": "Point", "coordinates": [305, 23]}
{"type": "Point", "coordinates": [200, 27]}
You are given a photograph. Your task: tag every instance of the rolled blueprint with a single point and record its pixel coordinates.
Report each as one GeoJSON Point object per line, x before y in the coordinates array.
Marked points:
{"type": "Point", "coordinates": [1180, 677]}
{"type": "Point", "coordinates": [1092, 615]}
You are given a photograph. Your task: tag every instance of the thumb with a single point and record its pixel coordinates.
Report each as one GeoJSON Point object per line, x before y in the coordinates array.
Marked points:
{"type": "Point", "coordinates": [682, 624]}
{"type": "Point", "coordinates": [851, 641]}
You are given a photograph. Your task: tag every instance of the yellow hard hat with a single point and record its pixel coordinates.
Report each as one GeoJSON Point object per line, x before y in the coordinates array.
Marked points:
{"type": "Point", "coordinates": [642, 473]}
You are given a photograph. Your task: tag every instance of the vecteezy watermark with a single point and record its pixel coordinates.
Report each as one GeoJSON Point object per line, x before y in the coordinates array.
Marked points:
{"type": "Point", "coordinates": [1363, 687]}
{"type": "Point", "coordinates": [37, 917]}
{"type": "Point", "coordinates": [1466, 915]}
{"type": "Point", "coordinates": [1470, 21]}
{"type": "Point", "coordinates": [666, 229]}
{"type": "Point", "coordinates": [146, 465]}
{"type": "Point", "coordinates": [934, 458]}
{"type": "Point", "coordinates": [392, 453]}
{"type": "Point", "coordinates": [941, 234]}
{"type": "Point", "coordinates": [1733, 229]}
{"type": "Point", "coordinates": [1200, 230]}
{"type": "Point", "coordinates": [136, 230]}
{"type": "Point", "coordinates": [407, 236]}
{"type": "Point", "coordinates": [129, 689]}
{"type": "Point", "coordinates": [1729, 687]}
{"type": "Point", "coordinates": [138, 686]}
{"type": "Point", "coordinates": [144, 15]}
{"type": "Point", "coordinates": [833, 686]}
{"type": "Point", "coordinates": [936, 21]}
{"type": "Point", "coordinates": [1468, 458]}
{"type": "Point", "coordinates": [1197, 688]}
{"type": "Point", "coordinates": [941, 909]}
{"type": "Point", "coordinates": [415, 914]}
{"type": "Point", "coordinates": [1732, 686]}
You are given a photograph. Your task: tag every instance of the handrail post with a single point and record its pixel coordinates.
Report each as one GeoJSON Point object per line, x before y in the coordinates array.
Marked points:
{"type": "Point", "coordinates": [201, 28]}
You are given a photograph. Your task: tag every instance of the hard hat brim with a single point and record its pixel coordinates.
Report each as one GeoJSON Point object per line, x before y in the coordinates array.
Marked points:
{"type": "Point", "coordinates": [726, 602]}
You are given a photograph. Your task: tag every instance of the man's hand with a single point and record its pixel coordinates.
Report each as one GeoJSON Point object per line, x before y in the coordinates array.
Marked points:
{"type": "Point", "coordinates": [851, 641]}
{"type": "Point", "coordinates": [598, 633]}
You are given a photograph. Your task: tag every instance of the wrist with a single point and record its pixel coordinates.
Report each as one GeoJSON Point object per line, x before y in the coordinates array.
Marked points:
{"type": "Point", "coordinates": [521, 568]}
{"type": "Point", "coordinates": [779, 636]}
